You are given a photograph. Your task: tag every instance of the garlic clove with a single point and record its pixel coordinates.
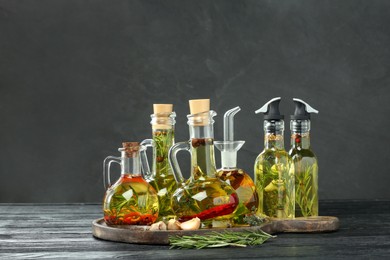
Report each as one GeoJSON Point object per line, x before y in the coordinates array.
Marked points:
{"type": "Point", "coordinates": [158, 226]}
{"type": "Point", "coordinates": [173, 224]}
{"type": "Point", "coordinates": [192, 224]}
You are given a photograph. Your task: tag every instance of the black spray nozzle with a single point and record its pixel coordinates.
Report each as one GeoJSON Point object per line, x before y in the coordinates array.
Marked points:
{"type": "Point", "coordinates": [271, 110]}
{"type": "Point", "coordinates": [302, 110]}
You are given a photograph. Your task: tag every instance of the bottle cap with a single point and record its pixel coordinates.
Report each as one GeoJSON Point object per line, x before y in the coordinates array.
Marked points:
{"type": "Point", "coordinates": [302, 110]}
{"type": "Point", "coordinates": [130, 144]}
{"type": "Point", "coordinates": [131, 148]}
{"type": "Point", "coordinates": [162, 108]}
{"type": "Point", "coordinates": [198, 111]}
{"type": "Point", "coordinates": [160, 116]}
{"type": "Point", "coordinates": [199, 105]}
{"type": "Point", "coordinates": [271, 110]}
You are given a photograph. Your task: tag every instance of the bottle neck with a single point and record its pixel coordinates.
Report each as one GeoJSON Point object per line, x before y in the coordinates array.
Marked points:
{"type": "Point", "coordinates": [163, 140]}
{"type": "Point", "coordinates": [163, 120]}
{"type": "Point", "coordinates": [273, 137]}
{"type": "Point", "coordinates": [202, 151]}
{"type": "Point", "coordinates": [229, 160]}
{"type": "Point", "coordinates": [201, 125]}
{"type": "Point", "coordinates": [274, 141]}
{"type": "Point", "coordinates": [131, 165]}
{"type": "Point", "coordinates": [201, 131]}
{"type": "Point", "coordinates": [300, 140]}
{"type": "Point", "coordinates": [163, 125]}
{"type": "Point", "coordinates": [300, 134]}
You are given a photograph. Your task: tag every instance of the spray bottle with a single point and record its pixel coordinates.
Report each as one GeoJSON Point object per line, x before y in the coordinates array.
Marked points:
{"type": "Point", "coordinates": [274, 176]}
{"type": "Point", "coordinates": [304, 161]}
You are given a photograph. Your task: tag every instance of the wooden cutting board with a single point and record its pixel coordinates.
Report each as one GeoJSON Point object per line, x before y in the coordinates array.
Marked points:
{"type": "Point", "coordinates": [142, 235]}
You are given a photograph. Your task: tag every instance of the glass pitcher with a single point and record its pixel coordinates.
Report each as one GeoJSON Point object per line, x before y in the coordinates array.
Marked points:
{"type": "Point", "coordinates": [130, 200]}
{"type": "Point", "coordinates": [203, 195]}
{"type": "Point", "coordinates": [162, 179]}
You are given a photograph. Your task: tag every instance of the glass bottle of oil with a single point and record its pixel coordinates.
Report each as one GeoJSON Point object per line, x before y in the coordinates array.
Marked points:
{"type": "Point", "coordinates": [130, 200]}
{"type": "Point", "coordinates": [236, 177]}
{"type": "Point", "coordinates": [203, 195]}
{"type": "Point", "coordinates": [274, 176]}
{"type": "Point", "coordinates": [304, 161]}
{"type": "Point", "coordinates": [162, 179]}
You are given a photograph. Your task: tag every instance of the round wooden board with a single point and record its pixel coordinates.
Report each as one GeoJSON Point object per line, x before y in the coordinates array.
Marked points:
{"type": "Point", "coordinates": [141, 234]}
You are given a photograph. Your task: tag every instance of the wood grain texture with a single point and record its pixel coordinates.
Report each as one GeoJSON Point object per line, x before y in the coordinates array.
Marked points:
{"type": "Point", "coordinates": [142, 235]}
{"type": "Point", "coordinates": [30, 231]}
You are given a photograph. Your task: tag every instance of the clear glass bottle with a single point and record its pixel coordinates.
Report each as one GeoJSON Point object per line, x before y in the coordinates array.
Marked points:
{"type": "Point", "coordinates": [236, 177]}
{"type": "Point", "coordinates": [203, 195]}
{"type": "Point", "coordinates": [162, 179]}
{"type": "Point", "coordinates": [274, 176]}
{"type": "Point", "coordinates": [131, 200]}
{"type": "Point", "coordinates": [304, 161]}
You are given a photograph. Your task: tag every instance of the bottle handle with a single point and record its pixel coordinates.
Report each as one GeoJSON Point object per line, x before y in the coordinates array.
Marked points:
{"type": "Point", "coordinates": [173, 159]}
{"type": "Point", "coordinates": [148, 175]}
{"type": "Point", "coordinates": [106, 169]}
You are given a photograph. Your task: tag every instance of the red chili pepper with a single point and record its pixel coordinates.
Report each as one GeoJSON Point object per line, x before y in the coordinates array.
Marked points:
{"type": "Point", "coordinates": [147, 219]}
{"type": "Point", "coordinates": [215, 211]}
{"type": "Point", "coordinates": [297, 139]}
{"type": "Point", "coordinates": [132, 218]}
{"type": "Point", "coordinates": [111, 220]}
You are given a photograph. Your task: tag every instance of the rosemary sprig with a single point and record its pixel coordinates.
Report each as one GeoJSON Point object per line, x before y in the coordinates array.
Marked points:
{"type": "Point", "coordinates": [223, 239]}
{"type": "Point", "coordinates": [163, 141]}
{"type": "Point", "coordinates": [304, 194]}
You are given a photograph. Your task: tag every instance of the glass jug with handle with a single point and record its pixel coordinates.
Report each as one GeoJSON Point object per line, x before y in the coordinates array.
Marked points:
{"type": "Point", "coordinates": [162, 179]}
{"type": "Point", "coordinates": [130, 200]}
{"type": "Point", "coordinates": [203, 195]}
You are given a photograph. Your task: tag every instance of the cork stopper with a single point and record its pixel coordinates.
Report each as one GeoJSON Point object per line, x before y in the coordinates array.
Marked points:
{"type": "Point", "coordinates": [162, 108]}
{"type": "Point", "coordinates": [199, 106]}
{"type": "Point", "coordinates": [131, 148]}
{"type": "Point", "coordinates": [199, 109]}
{"type": "Point", "coordinates": [160, 117]}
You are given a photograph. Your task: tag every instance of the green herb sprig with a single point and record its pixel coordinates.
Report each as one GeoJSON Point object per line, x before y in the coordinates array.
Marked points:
{"type": "Point", "coordinates": [305, 197]}
{"type": "Point", "coordinates": [254, 220]}
{"type": "Point", "coordinates": [223, 239]}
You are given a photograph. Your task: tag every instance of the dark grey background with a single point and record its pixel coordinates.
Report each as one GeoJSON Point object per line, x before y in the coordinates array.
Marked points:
{"type": "Point", "coordinates": [79, 77]}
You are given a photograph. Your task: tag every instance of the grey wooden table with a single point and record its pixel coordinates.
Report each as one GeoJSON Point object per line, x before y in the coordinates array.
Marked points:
{"type": "Point", "coordinates": [64, 231]}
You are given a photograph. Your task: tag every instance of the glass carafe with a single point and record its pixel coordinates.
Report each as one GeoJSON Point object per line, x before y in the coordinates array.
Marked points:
{"type": "Point", "coordinates": [162, 178]}
{"type": "Point", "coordinates": [203, 195]}
{"type": "Point", "coordinates": [229, 172]}
{"type": "Point", "coordinates": [238, 179]}
{"type": "Point", "coordinates": [130, 200]}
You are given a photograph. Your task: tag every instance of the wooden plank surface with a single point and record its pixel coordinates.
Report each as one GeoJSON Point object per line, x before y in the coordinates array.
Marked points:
{"type": "Point", "coordinates": [29, 231]}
